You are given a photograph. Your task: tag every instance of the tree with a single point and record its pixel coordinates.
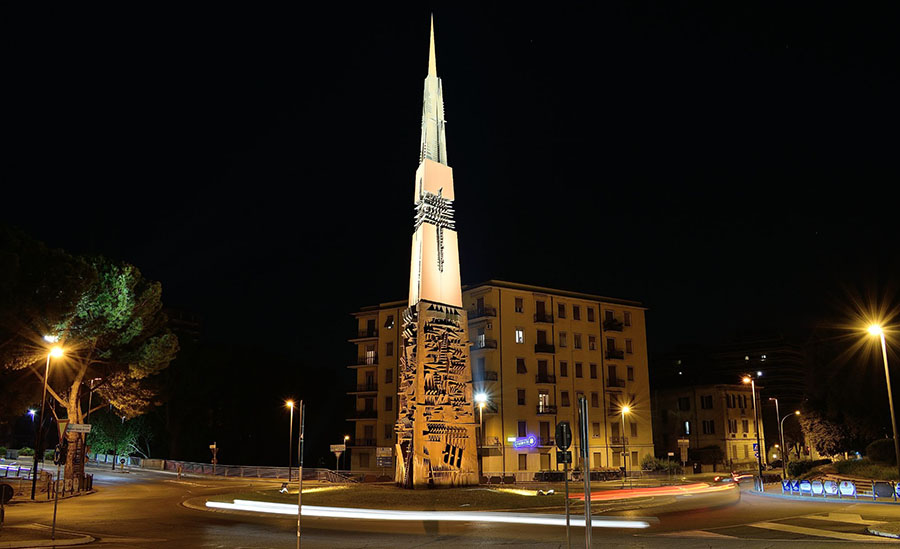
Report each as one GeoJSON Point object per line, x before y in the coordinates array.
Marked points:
{"type": "Point", "coordinates": [107, 317]}
{"type": "Point", "coordinates": [113, 434]}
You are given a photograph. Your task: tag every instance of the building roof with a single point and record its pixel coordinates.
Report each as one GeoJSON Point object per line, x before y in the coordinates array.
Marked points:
{"type": "Point", "coordinates": [545, 290]}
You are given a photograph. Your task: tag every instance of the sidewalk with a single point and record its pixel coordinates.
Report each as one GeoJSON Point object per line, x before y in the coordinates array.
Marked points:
{"type": "Point", "coordinates": [37, 535]}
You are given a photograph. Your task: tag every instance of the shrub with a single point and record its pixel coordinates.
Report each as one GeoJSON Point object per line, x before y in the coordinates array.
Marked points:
{"type": "Point", "coordinates": [650, 463]}
{"type": "Point", "coordinates": [49, 454]}
{"type": "Point", "coordinates": [26, 451]}
{"type": "Point", "coordinates": [865, 468]}
{"type": "Point", "coordinates": [798, 468]}
{"type": "Point", "coordinates": [881, 451]}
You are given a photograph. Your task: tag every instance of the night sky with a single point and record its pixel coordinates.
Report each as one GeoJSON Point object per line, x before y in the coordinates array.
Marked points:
{"type": "Point", "coordinates": [732, 169]}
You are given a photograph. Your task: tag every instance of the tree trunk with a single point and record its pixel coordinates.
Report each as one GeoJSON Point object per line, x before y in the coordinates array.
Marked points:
{"type": "Point", "coordinates": [75, 454]}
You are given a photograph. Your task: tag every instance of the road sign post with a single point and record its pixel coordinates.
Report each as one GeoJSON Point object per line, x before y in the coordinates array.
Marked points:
{"type": "Point", "coordinates": [300, 480]}
{"type": "Point", "coordinates": [337, 450]}
{"type": "Point", "coordinates": [563, 441]}
{"type": "Point", "coordinates": [683, 445]}
{"type": "Point", "coordinates": [585, 470]}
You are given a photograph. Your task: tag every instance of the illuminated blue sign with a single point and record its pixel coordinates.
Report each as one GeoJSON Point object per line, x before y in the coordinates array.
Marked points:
{"type": "Point", "coordinates": [525, 442]}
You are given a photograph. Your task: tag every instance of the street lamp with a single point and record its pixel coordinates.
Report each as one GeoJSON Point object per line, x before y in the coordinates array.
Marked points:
{"type": "Point", "coordinates": [784, 452]}
{"type": "Point", "coordinates": [290, 405]}
{"type": "Point", "coordinates": [876, 329]}
{"type": "Point", "coordinates": [626, 409]}
{"type": "Point", "coordinates": [781, 438]}
{"type": "Point", "coordinates": [752, 381]}
{"type": "Point", "coordinates": [55, 352]}
{"type": "Point", "coordinates": [346, 439]}
{"type": "Point", "coordinates": [481, 400]}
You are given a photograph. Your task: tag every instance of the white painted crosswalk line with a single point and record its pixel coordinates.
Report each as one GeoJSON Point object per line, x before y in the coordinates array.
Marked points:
{"type": "Point", "coordinates": [820, 533]}
{"type": "Point", "coordinates": [843, 517]}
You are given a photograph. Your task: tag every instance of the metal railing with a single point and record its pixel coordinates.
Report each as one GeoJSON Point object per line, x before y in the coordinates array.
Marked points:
{"type": "Point", "coordinates": [371, 360]}
{"type": "Point", "coordinates": [618, 440]}
{"type": "Point", "coordinates": [545, 378]}
{"type": "Point", "coordinates": [546, 409]}
{"type": "Point", "coordinates": [362, 334]}
{"type": "Point", "coordinates": [616, 382]}
{"type": "Point", "coordinates": [479, 313]}
{"type": "Point", "coordinates": [367, 388]}
{"type": "Point", "coordinates": [365, 414]}
{"type": "Point", "coordinates": [615, 353]}
{"type": "Point", "coordinates": [613, 325]}
{"type": "Point", "coordinates": [544, 348]}
{"type": "Point", "coordinates": [249, 471]}
{"type": "Point", "coordinates": [545, 317]}
{"type": "Point", "coordinates": [484, 343]}
{"type": "Point", "coordinates": [360, 442]}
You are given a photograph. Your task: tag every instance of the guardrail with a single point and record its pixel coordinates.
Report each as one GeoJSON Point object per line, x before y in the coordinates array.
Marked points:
{"type": "Point", "coordinates": [842, 488]}
{"type": "Point", "coordinates": [249, 471]}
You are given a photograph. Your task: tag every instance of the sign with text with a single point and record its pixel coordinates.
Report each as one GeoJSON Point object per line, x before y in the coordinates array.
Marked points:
{"type": "Point", "coordinates": [79, 428]}
{"type": "Point", "coordinates": [563, 456]}
{"type": "Point", "coordinates": [384, 461]}
{"type": "Point", "coordinates": [338, 447]}
{"type": "Point", "coordinates": [384, 451]}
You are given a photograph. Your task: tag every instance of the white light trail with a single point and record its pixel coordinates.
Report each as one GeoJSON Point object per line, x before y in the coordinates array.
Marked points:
{"type": "Point", "coordinates": [454, 516]}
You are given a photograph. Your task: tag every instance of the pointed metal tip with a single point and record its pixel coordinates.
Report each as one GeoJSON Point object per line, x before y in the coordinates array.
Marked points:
{"type": "Point", "coordinates": [432, 61]}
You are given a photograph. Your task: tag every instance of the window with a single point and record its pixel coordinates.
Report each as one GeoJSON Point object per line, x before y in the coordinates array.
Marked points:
{"type": "Point", "coordinates": [479, 366]}
{"type": "Point", "coordinates": [611, 374]}
{"type": "Point", "coordinates": [709, 427]}
{"type": "Point", "coordinates": [633, 429]}
{"type": "Point", "coordinates": [631, 373]}
{"type": "Point", "coordinates": [363, 460]}
{"type": "Point", "coordinates": [523, 462]}
{"type": "Point", "coordinates": [593, 368]}
{"type": "Point", "coordinates": [543, 401]}
{"type": "Point", "coordinates": [732, 426]}
{"type": "Point", "coordinates": [564, 369]}
{"type": "Point", "coordinates": [562, 339]}
{"type": "Point", "coordinates": [578, 396]}
{"type": "Point", "coordinates": [684, 404]}
{"type": "Point", "coordinates": [590, 313]}
{"type": "Point", "coordinates": [389, 375]}
{"type": "Point", "coordinates": [745, 402]}
{"type": "Point", "coordinates": [595, 429]}
{"type": "Point", "coordinates": [595, 400]}
{"type": "Point", "coordinates": [615, 429]}
{"type": "Point", "coordinates": [564, 398]}
{"type": "Point", "coordinates": [520, 307]}
{"type": "Point", "coordinates": [561, 310]}
{"type": "Point", "coordinates": [541, 337]}
{"type": "Point", "coordinates": [746, 451]}
{"type": "Point", "coordinates": [389, 350]}
{"type": "Point", "coordinates": [608, 316]}
{"type": "Point", "coordinates": [369, 432]}
{"type": "Point", "coordinates": [592, 343]}
{"type": "Point", "coordinates": [520, 335]}
{"type": "Point", "coordinates": [745, 425]}
{"type": "Point", "coordinates": [521, 397]}
{"type": "Point", "coordinates": [520, 366]}
{"type": "Point", "coordinates": [597, 457]}
{"type": "Point", "coordinates": [706, 402]}
{"type": "Point", "coordinates": [628, 348]}
{"type": "Point", "coordinates": [522, 429]}
{"type": "Point", "coordinates": [577, 339]}
{"type": "Point", "coordinates": [578, 372]}
{"type": "Point", "coordinates": [389, 431]}
{"type": "Point", "coordinates": [576, 312]}
{"type": "Point", "coordinates": [610, 344]}
{"type": "Point", "coordinates": [687, 428]}
{"type": "Point", "coordinates": [634, 459]}
{"type": "Point", "coordinates": [627, 318]}
{"type": "Point", "coordinates": [616, 459]}
{"type": "Point", "coordinates": [389, 323]}
{"type": "Point", "coordinates": [388, 404]}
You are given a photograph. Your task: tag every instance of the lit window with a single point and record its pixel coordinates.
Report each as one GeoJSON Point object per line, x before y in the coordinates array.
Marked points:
{"type": "Point", "coordinates": [687, 427]}
{"type": "Point", "coordinates": [520, 335]}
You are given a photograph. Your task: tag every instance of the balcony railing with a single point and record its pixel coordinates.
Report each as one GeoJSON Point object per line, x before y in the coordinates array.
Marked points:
{"type": "Point", "coordinates": [365, 414]}
{"type": "Point", "coordinates": [480, 313]}
{"type": "Point", "coordinates": [487, 375]}
{"type": "Point", "coordinates": [363, 334]}
{"type": "Point", "coordinates": [615, 353]}
{"type": "Point", "coordinates": [543, 317]}
{"type": "Point", "coordinates": [546, 409]}
{"type": "Point", "coordinates": [546, 441]}
{"type": "Point", "coordinates": [367, 388]}
{"type": "Point", "coordinates": [360, 442]}
{"type": "Point", "coordinates": [618, 441]}
{"type": "Point", "coordinates": [370, 360]}
{"type": "Point", "coordinates": [484, 343]}
{"type": "Point", "coordinates": [491, 441]}
{"type": "Point", "coordinates": [615, 382]}
{"type": "Point", "coordinates": [545, 378]}
{"type": "Point", "coordinates": [612, 325]}
{"type": "Point", "coordinates": [544, 348]}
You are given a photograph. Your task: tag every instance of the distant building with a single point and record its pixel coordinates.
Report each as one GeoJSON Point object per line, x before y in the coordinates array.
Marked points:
{"type": "Point", "coordinates": [534, 352]}
{"type": "Point", "coordinates": [717, 420]}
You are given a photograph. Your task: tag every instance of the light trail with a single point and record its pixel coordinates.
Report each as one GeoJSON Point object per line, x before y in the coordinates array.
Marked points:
{"type": "Point", "coordinates": [447, 516]}
{"type": "Point", "coordinates": [682, 490]}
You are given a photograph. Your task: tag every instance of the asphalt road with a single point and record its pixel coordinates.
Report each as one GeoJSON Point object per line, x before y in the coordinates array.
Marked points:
{"type": "Point", "coordinates": [144, 509]}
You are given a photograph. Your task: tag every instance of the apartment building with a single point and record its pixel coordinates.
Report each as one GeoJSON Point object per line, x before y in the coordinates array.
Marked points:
{"type": "Point", "coordinates": [534, 352]}
{"type": "Point", "coordinates": [716, 419]}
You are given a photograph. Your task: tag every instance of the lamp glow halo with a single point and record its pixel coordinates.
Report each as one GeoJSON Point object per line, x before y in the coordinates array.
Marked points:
{"type": "Point", "coordinates": [448, 516]}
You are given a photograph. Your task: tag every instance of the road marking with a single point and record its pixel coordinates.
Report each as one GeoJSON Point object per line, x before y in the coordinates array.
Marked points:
{"type": "Point", "coordinates": [816, 532]}
{"type": "Point", "coordinates": [696, 534]}
{"type": "Point", "coordinates": [843, 517]}
{"type": "Point", "coordinates": [188, 483]}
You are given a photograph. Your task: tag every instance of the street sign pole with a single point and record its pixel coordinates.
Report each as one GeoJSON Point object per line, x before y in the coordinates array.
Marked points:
{"type": "Point", "coordinates": [563, 441]}
{"type": "Point", "coordinates": [586, 471]}
{"type": "Point", "coordinates": [300, 469]}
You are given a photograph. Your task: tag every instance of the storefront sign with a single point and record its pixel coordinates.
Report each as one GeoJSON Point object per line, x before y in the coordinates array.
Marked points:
{"type": "Point", "coordinates": [525, 442]}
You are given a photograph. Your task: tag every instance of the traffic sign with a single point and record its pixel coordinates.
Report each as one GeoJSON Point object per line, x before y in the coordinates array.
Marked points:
{"type": "Point", "coordinates": [384, 451]}
{"type": "Point", "coordinates": [79, 428]}
{"type": "Point", "coordinates": [755, 446]}
{"type": "Point", "coordinates": [62, 424]}
{"type": "Point", "coordinates": [563, 436]}
{"type": "Point", "coordinates": [338, 447]}
{"type": "Point", "coordinates": [563, 456]}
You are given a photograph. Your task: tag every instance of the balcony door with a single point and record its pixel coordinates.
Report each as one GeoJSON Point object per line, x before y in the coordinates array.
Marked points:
{"type": "Point", "coordinates": [543, 402]}
{"type": "Point", "coordinates": [545, 432]}
{"type": "Point", "coordinates": [542, 369]}
{"type": "Point", "coordinates": [541, 337]}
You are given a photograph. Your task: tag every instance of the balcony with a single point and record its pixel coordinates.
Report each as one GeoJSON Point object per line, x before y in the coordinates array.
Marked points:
{"type": "Point", "coordinates": [545, 378]}
{"type": "Point", "coordinates": [491, 442]}
{"type": "Point", "coordinates": [612, 325]}
{"type": "Point", "coordinates": [615, 354]}
{"type": "Point", "coordinates": [484, 343]}
{"type": "Point", "coordinates": [615, 382]}
{"type": "Point", "coordinates": [365, 414]}
{"type": "Point", "coordinates": [475, 314]}
{"type": "Point", "coordinates": [544, 348]}
{"type": "Point", "coordinates": [366, 388]}
{"type": "Point", "coordinates": [546, 441]}
{"type": "Point", "coordinates": [544, 409]}
{"type": "Point", "coordinates": [543, 317]}
{"type": "Point", "coordinates": [369, 360]}
{"type": "Point", "coordinates": [361, 442]}
{"type": "Point", "coordinates": [365, 334]}
{"type": "Point", "coordinates": [618, 441]}
{"type": "Point", "coordinates": [487, 375]}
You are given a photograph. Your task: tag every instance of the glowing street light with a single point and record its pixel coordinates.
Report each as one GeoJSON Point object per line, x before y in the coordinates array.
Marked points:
{"type": "Point", "coordinates": [55, 352]}
{"type": "Point", "coordinates": [346, 440]}
{"type": "Point", "coordinates": [290, 405]}
{"type": "Point", "coordinates": [626, 409]}
{"type": "Point", "coordinates": [752, 381]}
{"type": "Point", "coordinates": [876, 330]}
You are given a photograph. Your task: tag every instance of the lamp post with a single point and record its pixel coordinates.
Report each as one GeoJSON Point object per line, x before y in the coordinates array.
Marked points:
{"type": "Point", "coordinates": [784, 452]}
{"type": "Point", "coordinates": [780, 438]}
{"type": "Point", "coordinates": [481, 400]}
{"type": "Point", "coordinates": [625, 410]}
{"type": "Point", "coordinates": [346, 440]}
{"type": "Point", "coordinates": [56, 351]}
{"type": "Point", "coordinates": [875, 329]}
{"type": "Point", "coordinates": [290, 405]}
{"type": "Point", "coordinates": [752, 381]}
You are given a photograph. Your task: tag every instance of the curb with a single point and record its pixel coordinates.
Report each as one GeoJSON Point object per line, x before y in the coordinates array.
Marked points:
{"type": "Point", "coordinates": [82, 539]}
{"type": "Point", "coordinates": [882, 530]}
{"type": "Point", "coordinates": [813, 499]}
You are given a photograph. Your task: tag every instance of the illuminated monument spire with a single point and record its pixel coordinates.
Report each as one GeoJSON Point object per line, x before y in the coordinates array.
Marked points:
{"type": "Point", "coordinates": [436, 443]}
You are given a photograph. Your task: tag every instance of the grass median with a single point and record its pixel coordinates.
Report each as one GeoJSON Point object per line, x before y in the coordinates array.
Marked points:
{"type": "Point", "coordinates": [374, 496]}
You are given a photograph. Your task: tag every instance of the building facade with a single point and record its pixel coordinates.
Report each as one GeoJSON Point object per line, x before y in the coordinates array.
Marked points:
{"type": "Point", "coordinates": [534, 352]}
{"type": "Point", "coordinates": [717, 421]}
